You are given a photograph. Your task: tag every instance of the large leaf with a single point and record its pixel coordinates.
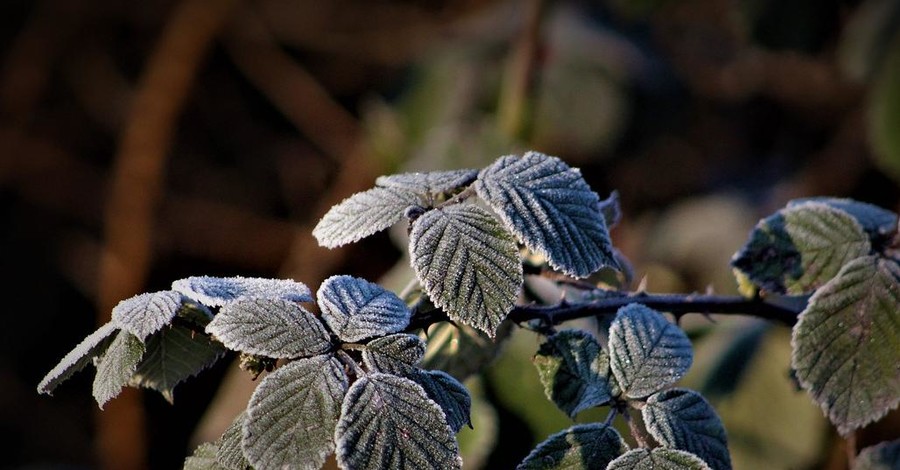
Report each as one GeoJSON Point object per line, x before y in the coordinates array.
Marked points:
{"type": "Point", "coordinates": [683, 419]}
{"type": "Point", "coordinates": [449, 394]}
{"type": "Point", "coordinates": [145, 314]}
{"type": "Point", "coordinates": [574, 370]}
{"type": "Point", "coordinates": [468, 264]}
{"type": "Point", "coordinates": [394, 354]}
{"type": "Point", "coordinates": [218, 291]}
{"type": "Point", "coordinates": [800, 248]}
{"type": "Point", "coordinates": [583, 446]}
{"type": "Point", "coordinates": [76, 359]}
{"type": "Point", "coordinates": [292, 415]}
{"type": "Point", "coordinates": [270, 327]}
{"type": "Point", "coordinates": [647, 353]}
{"type": "Point", "coordinates": [847, 343]}
{"type": "Point", "coordinates": [203, 458]}
{"type": "Point", "coordinates": [660, 458]}
{"type": "Point", "coordinates": [357, 309]}
{"type": "Point", "coordinates": [432, 182]}
{"type": "Point", "coordinates": [362, 215]}
{"type": "Point", "coordinates": [116, 367]}
{"type": "Point", "coordinates": [230, 453]}
{"type": "Point", "coordinates": [884, 456]}
{"type": "Point", "coordinates": [173, 355]}
{"type": "Point", "coordinates": [550, 207]}
{"type": "Point", "coordinates": [389, 422]}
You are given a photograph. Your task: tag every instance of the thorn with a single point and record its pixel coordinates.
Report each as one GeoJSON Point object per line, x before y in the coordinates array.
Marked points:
{"type": "Point", "coordinates": [642, 286]}
{"type": "Point", "coordinates": [710, 318]}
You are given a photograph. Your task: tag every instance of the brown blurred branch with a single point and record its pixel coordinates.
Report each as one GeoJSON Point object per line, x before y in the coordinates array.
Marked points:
{"type": "Point", "coordinates": [512, 114]}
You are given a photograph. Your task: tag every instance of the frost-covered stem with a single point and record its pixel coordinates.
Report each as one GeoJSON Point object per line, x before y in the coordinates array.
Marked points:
{"type": "Point", "coordinates": [466, 193]}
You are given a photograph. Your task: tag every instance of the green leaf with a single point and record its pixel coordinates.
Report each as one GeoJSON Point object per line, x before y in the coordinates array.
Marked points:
{"type": "Point", "coordinates": [203, 458]}
{"type": "Point", "coordinates": [230, 454]}
{"type": "Point", "coordinates": [218, 291]}
{"type": "Point", "coordinates": [660, 458]}
{"type": "Point", "coordinates": [468, 264]}
{"type": "Point", "coordinates": [145, 314]}
{"type": "Point", "coordinates": [76, 359]}
{"type": "Point", "coordinates": [356, 309]}
{"type": "Point", "coordinates": [270, 327]}
{"type": "Point", "coordinates": [550, 207]}
{"type": "Point", "coordinates": [432, 182]}
{"type": "Point", "coordinates": [884, 456]}
{"type": "Point", "coordinates": [116, 367]}
{"type": "Point", "coordinates": [292, 415]}
{"type": "Point", "coordinates": [173, 355]}
{"type": "Point", "coordinates": [800, 248]}
{"type": "Point", "coordinates": [884, 111]}
{"type": "Point", "coordinates": [389, 422]}
{"type": "Point", "coordinates": [363, 214]}
{"type": "Point", "coordinates": [449, 394]}
{"type": "Point", "coordinates": [647, 353]}
{"type": "Point", "coordinates": [574, 370]}
{"type": "Point", "coordinates": [878, 223]}
{"type": "Point", "coordinates": [847, 344]}
{"type": "Point", "coordinates": [684, 420]}
{"type": "Point", "coordinates": [583, 446]}
{"type": "Point", "coordinates": [394, 354]}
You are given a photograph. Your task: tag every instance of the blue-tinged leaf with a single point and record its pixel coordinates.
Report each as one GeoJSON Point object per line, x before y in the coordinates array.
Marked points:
{"type": "Point", "coordinates": [550, 207]}
{"type": "Point", "coordinates": [647, 352]}
{"type": "Point", "coordinates": [878, 223]}
{"type": "Point", "coordinates": [660, 458]}
{"type": "Point", "coordinates": [432, 182]}
{"type": "Point", "coordinates": [145, 314]}
{"type": "Point", "coordinates": [271, 328]}
{"type": "Point", "coordinates": [583, 446]}
{"type": "Point", "coordinates": [611, 210]}
{"type": "Point", "coordinates": [218, 291]}
{"type": "Point", "coordinates": [846, 344]}
{"type": "Point", "coordinates": [682, 419]}
{"type": "Point", "coordinates": [203, 458]}
{"type": "Point", "coordinates": [116, 367]}
{"type": "Point", "coordinates": [92, 346]}
{"type": "Point", "coordinates": [356, 309]}
{"type": "Point", "coordinates": [292, 415]}
{"type": "Point", "coordinates": [468, 264]}
{"type": "Point", "coordinates": [883, 456]}
{"type": "Point", "coordinates": [363, 214]}
{"type": "Point", "coordinates": [394, 354]}
{"type": "Point", "coordinates": [449, 394]}
{"type": "Point", "coordinates": [173, 355]}
{"type": "Point", "coordinates": [574, 370]}
{"type": "Point", "coordinates": [389, 422]}
{"type": "Point", "coordinates": [230, 454]}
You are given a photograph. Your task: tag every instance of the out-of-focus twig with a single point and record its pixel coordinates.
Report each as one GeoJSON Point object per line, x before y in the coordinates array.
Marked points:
{"type": "Point", "coordinates": [512, 114]}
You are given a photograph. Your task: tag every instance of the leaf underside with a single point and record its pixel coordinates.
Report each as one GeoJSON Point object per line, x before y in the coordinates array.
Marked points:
{"type": "Point", "coordinates": [432, 182]}
{"type": "Point", "coordinates": [658, 459]}
{"type": "Point", "coordinates": [574, 370]}
{"type": "Point", "coordinates": [583, 446]}
{"type": "Point", "coordinates": [682, 419]}
{"type": "Point", "coordinates": [883, 456]}
{"type": "Point", "coordinates": [116, 367]}
{"type": "Point", "coordinates": [218, 291]}
{"type": "Point", "coordinates": [396, 354]}
{"type": "Point", "coordinates": [356, 309]}
{"type": "Point", "coordinates": [145, 314]}
{"type": "Point", "coordinates": [363, 214]}
{"type": "Point", "coordinates": [92, 346]}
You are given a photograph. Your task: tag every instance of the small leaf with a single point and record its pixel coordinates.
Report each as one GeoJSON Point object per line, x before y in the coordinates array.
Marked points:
{"type": "Point", "coordinates": [269, 327]}
{"type": "Point", "coordinates": [611, 209]}
{"type": "Point", "coordinates": [389, 422]}
{"type": "Point", "coordinates": [449, 394]}
{"type": "Point", "coordinates": [800, 248]}
{"type": "Point", "coordinates": [218, 291]}
{"type": "Point", "coordinates": [363, 214]}
{"type": "Point", "coordinates": [550, 207]}
{"type": "Point", "coordinates": [230, 455]}
{"type": "Point", "coordinates": [292, 415]}
{"type": "Point", "coordinates": [76, 359]}
{"type": "Point", "coordinates": [468, 264]}
{"type": "Point", "coordinates": [883, 456]}
{"type": "Point", "coordinates": [433, 182]}
{"type": "Point", "coordinates": [660, 458]}
{"type": "Point", "coordinates": [647, 352]}
{"type": "Point", "coordinates": [878, 223]}
{"type": "Point", "coordinates": [117, 366]}
{"type": "Point", "coordinates": [173, 355]}
{"type": "Point", "coordinates": [684, 420]}
{"type": "Point", "coordinates": [203, 458]}
{"type": "Point", "coordinates": [356, 309]}
{"type": "Point", "coordinates": [574, 370]}
{"type": "Point", "coordinates": [145, 314]}
{"type": "Point", "coordinates": [846, 344]}
{"type": "Point", "coordinates": [583, 446]}
{"type": "Point", "coordinates": [394, 354]}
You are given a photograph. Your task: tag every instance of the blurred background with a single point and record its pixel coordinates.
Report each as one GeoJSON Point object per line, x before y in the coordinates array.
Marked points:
{"type": "Point", "coordinates": [142, 142]}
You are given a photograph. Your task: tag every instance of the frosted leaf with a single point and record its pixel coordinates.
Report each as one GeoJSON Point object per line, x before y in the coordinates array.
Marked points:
{"type": "Point", "coordinates": [432, 182]}
{"type": "Point", "coordinates": [878, 223]}
{"type": "Point", "coordinates": [203, 458]}
{"type": "Point", "coordinates": [230, 455]}
{"type": "Point", "coordinates": [574, 370]}
{"type": "Point", "coordinates": [363, 214]}
{"type": "Point", "coordinates": [389, 422]}
{"type": "Point", "coordinates": [583, 446]}
{"type": "Point", "coordinates": [145, 314]}
{"type": "Point", "coordinates": [647, 353]}
{"type": "Point", "coordinates": [292, 415]}
{"type": "Point", "coordinates": [76, 359]}
{"type": "Point", "coordinates": [660, 458]}
{"type": "Point", "coordinates": [449, 394]}
{"type": "Point", "coordinates": [269, 327]}
{"type": "Point", "coordinates": [846, 344]}
{"type": "Point", "coordinates": [468, 264]}
{"type": "Point", "coordinates": [550, 207]}
{"type": "Point", "coordinates": [394, 354]}
{"type": "Point", "coordinates": [356, 309]}
{"type": "Point", "coordinates": [117, 366]}
{"type": "Point", "coordinates": [172, 356]}
{"type": "Point", "coordinates": [682, 419]}
{"type": "Point", "coordinates": [883, 456]}
{"type": "Point", "coordinates": [218, 291]}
